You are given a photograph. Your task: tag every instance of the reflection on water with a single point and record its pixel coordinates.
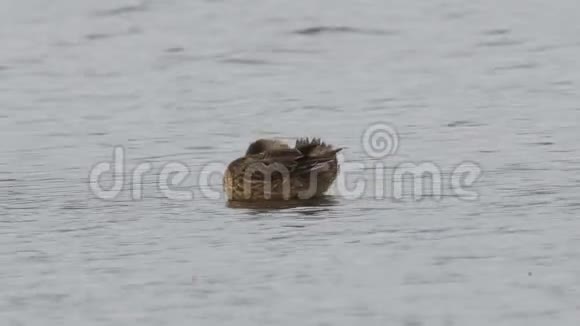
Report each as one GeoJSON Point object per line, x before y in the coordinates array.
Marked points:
{"type": "Point", "coordinates": [272, 205]}
{"type": "Point", "coordinates": [194, 82]}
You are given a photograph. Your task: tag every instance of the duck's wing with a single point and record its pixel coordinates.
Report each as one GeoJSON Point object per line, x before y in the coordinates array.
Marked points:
{"type": "Point", "coordinates": [308, 156]}
{"type": "Point", "coordinates": [316, 159]}
{"type": "Point", "coordinates": [275, 164]}
{"type": "Point", "coordinates": [282, 155]}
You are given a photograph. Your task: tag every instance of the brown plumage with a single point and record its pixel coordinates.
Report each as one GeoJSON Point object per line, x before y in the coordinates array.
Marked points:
{"type": "Point", "coordinates": [271, 170]}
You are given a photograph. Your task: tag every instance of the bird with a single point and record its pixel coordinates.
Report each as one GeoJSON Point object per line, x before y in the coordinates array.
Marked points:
{"type": "Point", "coordinates": [272, 170]}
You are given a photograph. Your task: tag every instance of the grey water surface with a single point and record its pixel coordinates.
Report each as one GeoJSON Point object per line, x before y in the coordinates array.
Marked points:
{"type": "Point", "coordinates": [493, 84]}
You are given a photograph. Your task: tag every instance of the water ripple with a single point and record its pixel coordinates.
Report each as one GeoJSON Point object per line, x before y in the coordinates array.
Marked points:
{"type": "Point", "coordinates": [321, 30]}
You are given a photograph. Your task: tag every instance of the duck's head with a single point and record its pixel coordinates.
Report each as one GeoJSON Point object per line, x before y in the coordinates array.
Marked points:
{"type": "Point", "coordinates": [262, 145]}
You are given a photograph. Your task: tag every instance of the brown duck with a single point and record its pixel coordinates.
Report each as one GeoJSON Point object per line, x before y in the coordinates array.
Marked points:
{"type": "Point", "coordinates": [271, 170]}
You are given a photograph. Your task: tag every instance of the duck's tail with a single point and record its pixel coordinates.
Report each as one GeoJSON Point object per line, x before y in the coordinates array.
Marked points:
{"type": "Point", "coordinates": [315, 148]}
{"type": "Point", "coordinates": [317, 155]}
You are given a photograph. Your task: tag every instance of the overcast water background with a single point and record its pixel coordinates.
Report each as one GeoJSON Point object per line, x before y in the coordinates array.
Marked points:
{"type": "Point", "coordinates": [490, 82]}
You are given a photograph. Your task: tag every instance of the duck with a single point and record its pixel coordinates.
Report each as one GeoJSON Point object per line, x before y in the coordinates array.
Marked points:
{"type": "Point", "coordinates": [272, 170]}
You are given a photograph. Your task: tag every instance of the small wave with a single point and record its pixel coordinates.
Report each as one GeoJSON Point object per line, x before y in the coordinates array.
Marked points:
{"type": "Point", "coordinates": [97, 36]}
{"type": "Point", "coordinates": [519, 66]}
{"type": "Point", "coordinates": [543, 143]}
{"type": "Point", "coordinates": [496, 31]}
{"type": "Point", "coordinates": [318, 30]}
{"type": "Point", "coordinates": [175, 49]}
{"type": "Point", "coordinates": [500, 43]}
{"type": "Point", "coordinates": [464, 123]}
{"type": "Point", "coordinates": [242, 61]}
{"type": "Point", "coordinates": [123, 10]}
